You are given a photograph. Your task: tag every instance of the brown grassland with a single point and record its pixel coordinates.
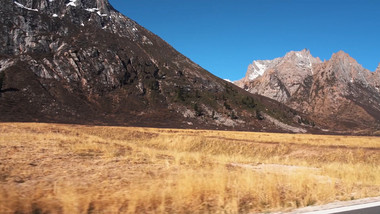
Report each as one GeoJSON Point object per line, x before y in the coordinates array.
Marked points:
{"type": "Point", "coordinates": [52, 168]}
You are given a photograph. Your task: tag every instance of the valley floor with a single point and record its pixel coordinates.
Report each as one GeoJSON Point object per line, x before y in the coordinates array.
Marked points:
{"type": "Point", "coordinates": [53, 168]}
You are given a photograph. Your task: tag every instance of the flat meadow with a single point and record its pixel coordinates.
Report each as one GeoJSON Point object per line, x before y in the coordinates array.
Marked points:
{"type": "Point", "coordinates": [57, 168]}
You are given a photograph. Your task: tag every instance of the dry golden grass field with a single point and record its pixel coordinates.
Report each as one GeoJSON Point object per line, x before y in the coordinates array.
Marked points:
{"type": "Point", "coordinates": [51, 168]}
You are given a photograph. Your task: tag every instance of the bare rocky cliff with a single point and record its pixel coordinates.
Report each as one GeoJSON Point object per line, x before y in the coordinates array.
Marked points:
{"type": "Point", "coordinates": [81, 61]}
{"type": "Point", "coordinates": [339, 94]}
{"type": "Point", "coordinates": [280, 78]}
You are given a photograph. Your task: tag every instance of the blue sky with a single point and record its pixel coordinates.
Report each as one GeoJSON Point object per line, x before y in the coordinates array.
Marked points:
{"type": "Point", "coordinates": [225, 36]}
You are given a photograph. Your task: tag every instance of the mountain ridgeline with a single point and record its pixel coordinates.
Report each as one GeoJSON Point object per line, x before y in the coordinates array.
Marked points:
{"type": "Point", "coordinates": [81, 61]}
{"type": "Point", "coordinates": [338, 94]}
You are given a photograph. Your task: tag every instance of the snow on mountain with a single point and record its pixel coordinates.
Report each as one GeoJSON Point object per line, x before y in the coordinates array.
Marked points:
{"type": "Point", "coordinates": [338, 88]}
{"type": "Point", "coordinates": [72, 3]}
{"type": "Point", "coordinates": [281, 77]}
{"type": "Point", "coordinates": [23, 7]}
{"type": "Point", "coordinates": [257, 68]}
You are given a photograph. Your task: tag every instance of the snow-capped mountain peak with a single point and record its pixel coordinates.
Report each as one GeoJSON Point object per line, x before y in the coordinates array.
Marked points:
{"type": "Point", "coordinates": [257, 68]}
{"type": "Point", "coordinates": [302, 59]}
{"type": "Point", "coordinates": [321, 89]}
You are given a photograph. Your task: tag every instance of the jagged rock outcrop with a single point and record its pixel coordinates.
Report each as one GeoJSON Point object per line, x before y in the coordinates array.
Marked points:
{"type": "Point", "coordinates": [280, 78]}
{"type": "Point", "coordinates": [81, 61]}
{"type": "Point", "coordinates": [339, 94]}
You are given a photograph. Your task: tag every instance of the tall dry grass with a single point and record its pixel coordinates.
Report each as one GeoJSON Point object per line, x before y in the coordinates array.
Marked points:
{"type": "Point", "coordinates": [50, 168]}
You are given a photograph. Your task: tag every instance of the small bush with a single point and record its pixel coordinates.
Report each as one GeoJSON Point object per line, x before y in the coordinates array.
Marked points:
{"type": "Point", "coordinates": [233, 115]}
{"type": "Point", "coordinates": [227, 106]}
{"type": "Point", "coordinates": [249, 102]}
{"type": "Point", "coordinates": [2, 77]}
{"type": "Point", "coordinates": [198, 110]}
{"type": "Point", "coordinates": [179, 94]}
{"type": "Point", "coordinates": [259, 116]}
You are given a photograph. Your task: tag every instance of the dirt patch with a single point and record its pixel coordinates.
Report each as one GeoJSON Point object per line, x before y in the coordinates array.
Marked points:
{"type": "Point", "coordinates": [276, 168]}
{"type": "Point", "coordinates": [285, 170]}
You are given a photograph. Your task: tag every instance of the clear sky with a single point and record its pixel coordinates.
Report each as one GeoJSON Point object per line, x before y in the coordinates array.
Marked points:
{"type": "Point", "coordinates": [225, 36]}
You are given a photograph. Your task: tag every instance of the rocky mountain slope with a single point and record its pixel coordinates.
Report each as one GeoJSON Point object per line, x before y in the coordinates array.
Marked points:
{"type": "Point", "coordinates": [339, 93]}
{"type": "Point", "coordinates": [81, 61]}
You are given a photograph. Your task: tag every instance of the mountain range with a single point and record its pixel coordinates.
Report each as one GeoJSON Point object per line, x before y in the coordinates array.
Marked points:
{"type": "Point", "coordinates": [81, 61]}
{"type": "Point", "coordinates": [338, 94]}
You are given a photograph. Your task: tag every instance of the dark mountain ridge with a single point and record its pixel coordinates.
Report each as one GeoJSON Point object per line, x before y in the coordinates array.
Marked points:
{"type": "Point", "coordinates": [81, 61]}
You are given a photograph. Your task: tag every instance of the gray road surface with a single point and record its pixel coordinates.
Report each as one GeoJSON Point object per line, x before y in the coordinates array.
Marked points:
{"type": "Point", "coordinates": [362, 206]}
{"type": "Point", "coordinates": [370, 208]}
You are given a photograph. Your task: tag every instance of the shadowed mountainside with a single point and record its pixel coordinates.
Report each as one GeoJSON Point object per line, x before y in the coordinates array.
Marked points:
{"type": "Point", "coordinates": [81, 61]}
